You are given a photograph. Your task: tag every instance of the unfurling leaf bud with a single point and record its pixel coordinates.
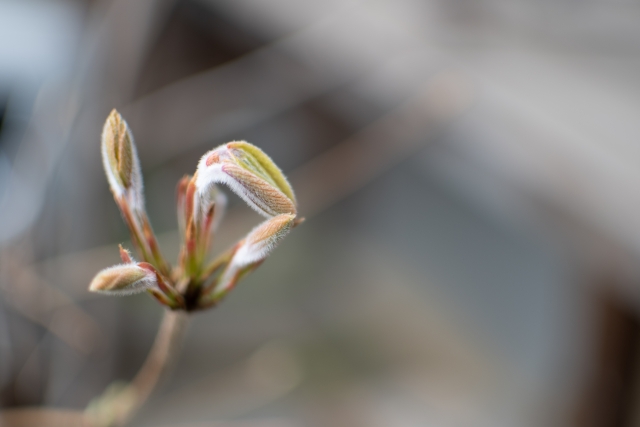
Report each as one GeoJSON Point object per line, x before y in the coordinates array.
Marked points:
{"type": "Point", "coordinates": [124, 279]}
{"type": "Point", "coordinates": [120, 159]}
{"type": "Point", "coordinates": [262, 240]}
{"type": "Point", "coordinates": [245, 169]}
{"type": "Point", "coordinates": [122, 167]}
{"type": "Point", "coordinates": [254, 159]}
{"type": "Point", "coordinates": [253, 250]}
{"type": "Point", "coordinates": [250, 174]}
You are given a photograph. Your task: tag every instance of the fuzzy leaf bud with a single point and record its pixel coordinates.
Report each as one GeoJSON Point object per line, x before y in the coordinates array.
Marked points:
{"type": "Point", "coordinates": [255, 160]}
{"type": "Point", "coordinates": [120, 160]}
{"type": "Point", "coordinates": [253, 250]}
{"type": "Point", "coordinates": [123, 279]}
{"type": "Point", "coordinates": [249, 173]}
{"type": "Point", "coordinates": [262, 240]}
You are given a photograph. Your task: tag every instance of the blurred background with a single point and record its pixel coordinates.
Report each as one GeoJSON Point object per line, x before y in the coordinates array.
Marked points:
{"type": "Point", "coordinates": [470, 174]}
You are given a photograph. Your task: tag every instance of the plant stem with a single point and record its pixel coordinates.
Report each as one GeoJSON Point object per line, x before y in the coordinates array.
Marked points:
{"type": "Point", "coordinates": [165, 349]}
{"type": "Point", "coordinates": [116, 408]}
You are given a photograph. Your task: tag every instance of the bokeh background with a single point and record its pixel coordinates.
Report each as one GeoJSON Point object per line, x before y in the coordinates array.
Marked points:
{"type": "Point", "coordinates": [470, 174]}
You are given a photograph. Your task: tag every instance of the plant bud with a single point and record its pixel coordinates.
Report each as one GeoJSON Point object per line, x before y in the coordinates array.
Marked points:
{"type": "Point", "coordinates": [255, 160]}
{"type": "Point", "coordinates": [250, 174]}
{"type": "Point", "coordinates": [253, 250]}
{"type": "Point", "coordinates": [120, 159]}
{"type": "Point", "coordinates": [123, 279]}
{"type": "Point", "coordinates": [262, 240]}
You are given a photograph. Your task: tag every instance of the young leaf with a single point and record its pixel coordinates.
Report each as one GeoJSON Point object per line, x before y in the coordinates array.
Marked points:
{"type": "Point", "coordinates": [250, 253]}
{"type": "Point", "coordinates": [249, 173]}
{"type": "Point", "coordinates": [120, 161]}
{"type": "Point", "coordinates": [262, 240]}
{"type": "Point", "coordinates": [122, 167]}
{"type": "Point", "coordinates": [254, 159]}
{"type": "Point", "coordinates": [123, 279]}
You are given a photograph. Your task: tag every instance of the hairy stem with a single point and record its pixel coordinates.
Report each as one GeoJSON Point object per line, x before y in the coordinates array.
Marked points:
{"type": "Point", "coordinates": [117, 406]}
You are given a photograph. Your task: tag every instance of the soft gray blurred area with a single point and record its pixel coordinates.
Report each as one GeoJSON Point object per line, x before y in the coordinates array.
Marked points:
{"type": "Point", "coordinates": [470, 175]}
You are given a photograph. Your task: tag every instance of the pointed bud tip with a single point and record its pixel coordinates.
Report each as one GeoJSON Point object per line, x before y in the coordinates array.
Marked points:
{"type": "Point", "coordinates": [125, 255]}
{"type": "Point", "coordinates": [263, 239]}
{"type": "Point", "coordinates": [114, 114]}
{"type": "Point", "coordinates": [250, 252]}
{"type": "Point", "coordinates": [270, 229]}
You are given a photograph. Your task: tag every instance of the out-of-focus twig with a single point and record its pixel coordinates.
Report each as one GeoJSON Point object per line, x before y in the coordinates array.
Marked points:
{"type": "Point", "coordinates": [162, 354]}
{"type": "Point", "coordinates": [270, 373]}
{"type": "Point", "coordinates": [255, 87]}
{"type": "Point", "coordinates": [36, 417]}
{"type": "Point", "coordinates": [214, 103]}
{"type": "Point", "coordinates": [40, 302]}
{"type": "Point", "coordinates": [120, 403]}
{"type": "Point", "coordinates": [348, 166]}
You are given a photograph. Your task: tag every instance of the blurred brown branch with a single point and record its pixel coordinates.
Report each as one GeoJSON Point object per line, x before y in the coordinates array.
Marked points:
{"type": "Point", "coordinates": [348, 166]}
{"type": "Point", "coordinates": [42, 303]}
{"type": "Point", "coordinates": [36, 417]}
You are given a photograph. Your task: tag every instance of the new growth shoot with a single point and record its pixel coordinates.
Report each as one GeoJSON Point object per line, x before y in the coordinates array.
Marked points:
{"type": "Point", "coordinates": [193, 283]}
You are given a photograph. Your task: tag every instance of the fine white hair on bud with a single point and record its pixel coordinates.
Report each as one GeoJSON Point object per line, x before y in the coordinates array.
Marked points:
{"type": "Point", "coordinates": [120, 161]}
{"type": "Point", "coordinates": [262, 240]}
{"type": "Point", "coordinates": [249, 173]}
{"type": "Point", "coordinates": [254, 159]}
{"type": "Point", "coordinates": [254, 249]}
{"type": "Point", "coordinates": [124, 279]}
